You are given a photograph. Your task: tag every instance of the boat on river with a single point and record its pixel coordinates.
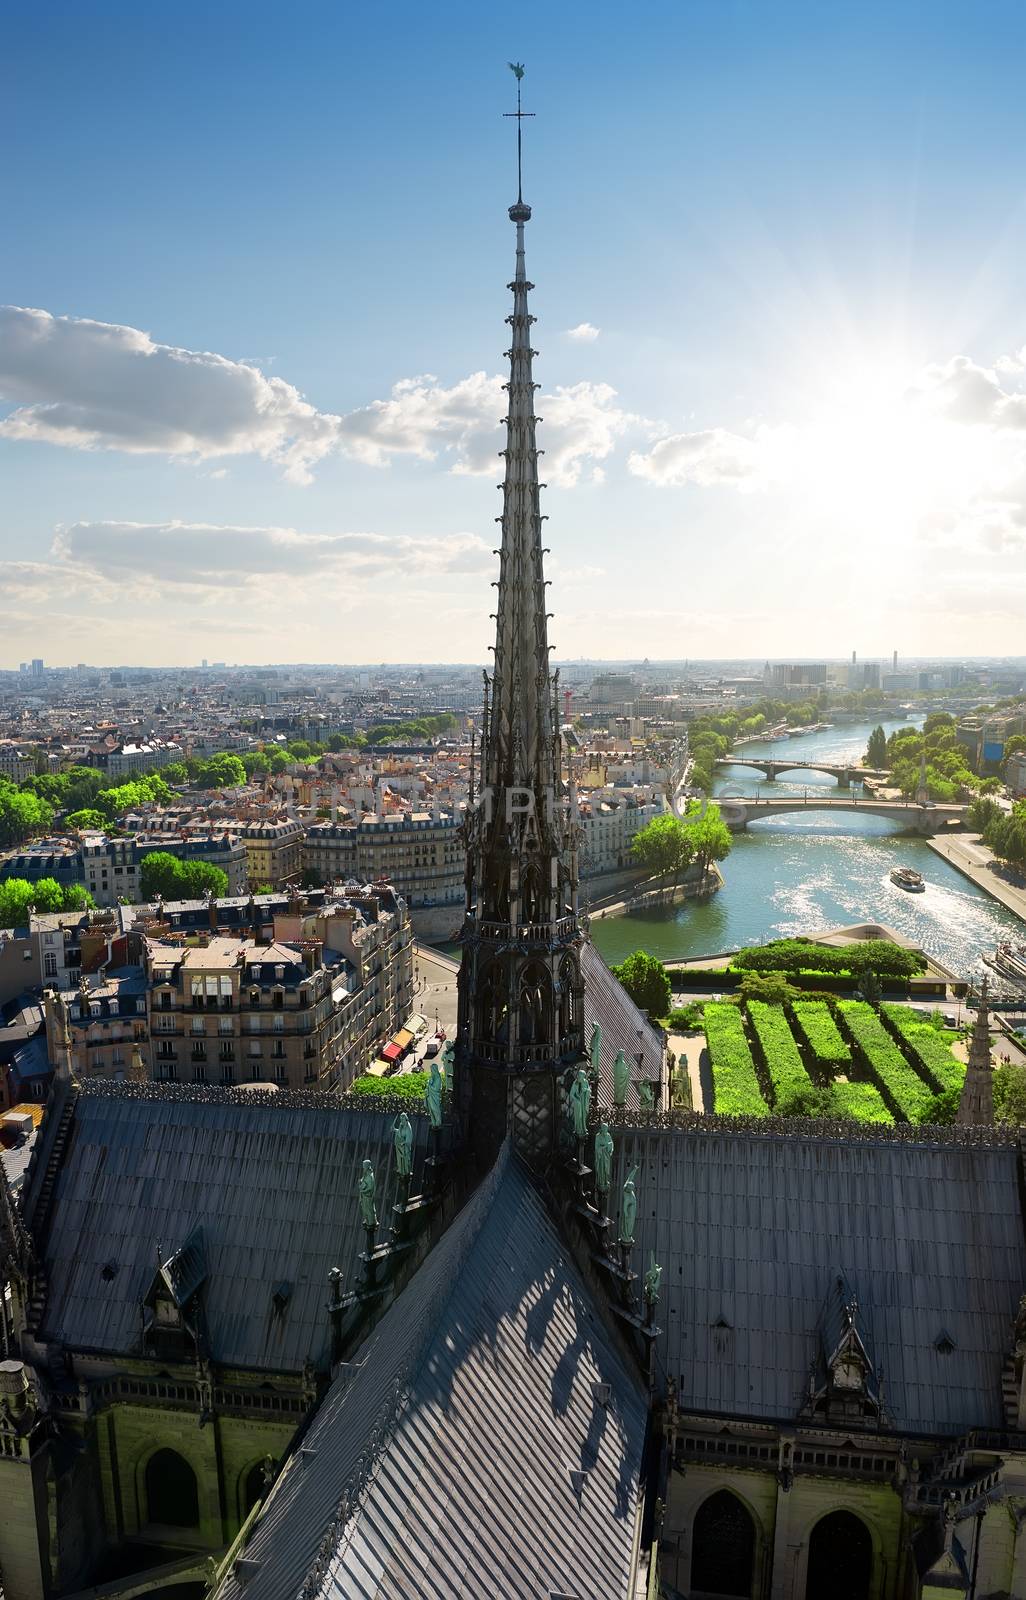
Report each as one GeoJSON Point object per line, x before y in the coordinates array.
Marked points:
{"type": "Point", "coordinates": [1010, 960]}
{"type": "Point", "coordinates": [908, 879]}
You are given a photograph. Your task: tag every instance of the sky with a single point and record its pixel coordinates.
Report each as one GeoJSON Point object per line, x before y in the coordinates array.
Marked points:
{"type": "Point", "coordinates": [252, 302]}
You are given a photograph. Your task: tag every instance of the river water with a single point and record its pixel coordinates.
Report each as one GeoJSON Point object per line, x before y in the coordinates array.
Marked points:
{"type": "Point", "coordinates": [791, 874]}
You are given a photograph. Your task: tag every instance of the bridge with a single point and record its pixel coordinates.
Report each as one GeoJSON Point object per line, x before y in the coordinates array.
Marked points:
{"type": "Point", "coordinates": [738, 811]}
{"type": "Point", "coordinates": [846, 773]}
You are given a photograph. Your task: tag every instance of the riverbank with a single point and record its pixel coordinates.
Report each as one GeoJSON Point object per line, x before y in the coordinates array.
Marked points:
{"type": "Point", "coordinates": [970, 855]}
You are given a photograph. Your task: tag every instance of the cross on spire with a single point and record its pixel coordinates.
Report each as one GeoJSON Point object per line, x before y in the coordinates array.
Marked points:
{"type": "Point", "coordinates": [517, 69]}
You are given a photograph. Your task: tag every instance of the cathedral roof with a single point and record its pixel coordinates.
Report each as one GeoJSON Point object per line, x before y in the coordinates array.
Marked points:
{"type": "Point", "coordinates": [753, 1229]}
{"type": "Point", "coordinates": [607, 1002]}
{"type": "Point", "coordinates": [272, 1185]}
{"type": "Point", "coordinates": [487, 1441]}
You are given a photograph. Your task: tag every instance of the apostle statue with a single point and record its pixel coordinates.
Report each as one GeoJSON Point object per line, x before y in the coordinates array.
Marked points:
{"type": "Point", "coordinates": [603, 1160]}
{"type": "Point", "coordinates": [580, 1103]}
{"type": "Point", "coordinates": [402, 1134]}
{"type": "Point", "coordinates": [448, 1055]}
{"type": "Point", "coordinates": [593, 1051]}
{"type": "Point", "coordinates": [433, 1095]}
{"type": "Point", "coordinates": [645, 1094]}
{"type": "Point", "coordinates": [628, 1208]}
{"type": "Point", "coordinates": [652, 1279]}
{"type": "Point", "coordinates": [621, 1078]}
{"type": "Point", "coordinates": [367, 1188]}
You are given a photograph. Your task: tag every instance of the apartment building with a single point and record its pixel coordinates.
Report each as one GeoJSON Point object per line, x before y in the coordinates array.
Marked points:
{"type": "Point", "coordinates": [307, 1007]}
{"type": "Point", "coordinates": [421, 854]}
{"type": "Point", "coordinates": [111, 868]}
{"type": "Point", "coordinates": [15, 762]}
{"type": "Point", "coordinates": [274, 850]}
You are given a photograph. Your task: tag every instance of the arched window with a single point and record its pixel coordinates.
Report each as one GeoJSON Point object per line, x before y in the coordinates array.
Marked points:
{"type": "Point", "coordinates": [840, 1559]}
{"type": "Point", "coordinates": [172, 1497]}
{"type": "Point", "coordinates": [530, 897]}
{"type": "Point", "coordinates": [723, 1548]}
{"type": "Point", "coordinates": [492, 1016]}
{"type": "Point", "coordinates": [535, 1004]}
{"type": "Point", "coordinates": [568, 1000]}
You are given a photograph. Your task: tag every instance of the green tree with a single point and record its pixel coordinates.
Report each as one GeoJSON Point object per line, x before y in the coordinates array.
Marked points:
{"type": "Point", "coordinates": [199, 877]}
{"type": "Point", "coordinates": [876, 751]}
{"type": "Point", "coordinates": [663, 847]}
{"type": "Point", "coordinates": [22, 814]}
{"type": "Point", "coordinates": [982, 812]}
{"type": "Point", "coordinates": [772, 988]}
{"type": "Point", "coordinates": [646, 981]}
{"type": "Point", "coordinates": [707, 834]}
{"type": "Point", "coordinates": [88, 817]}
{"type": "Point", "coordinates": [16, 895]}
{"type": "Point", "coordinates": [224, 771]}
{"type": "Point", "coordinates": [176, 772]}
{"type": "Point", "coordinates": [160, 875]}
{"type": "Point", "coordinates": [1010, 1094]}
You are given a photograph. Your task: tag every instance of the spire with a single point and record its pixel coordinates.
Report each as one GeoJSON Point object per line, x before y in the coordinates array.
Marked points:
{"type": "Point", "coordinates": [976, 1105]}
{"type": "Point", "coordinates": [520, 747]}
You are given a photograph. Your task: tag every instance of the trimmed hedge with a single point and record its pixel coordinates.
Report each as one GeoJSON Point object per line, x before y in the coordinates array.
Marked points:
{"type": "Point", "coordinates": [736, 1089]}
{"type": "Point", "coordinates": [877, 1051]}
{"type": "Point", "coordinates": [820, 1033]}
{"type": "Point", "coordinates": [781, 1056]}
{"type": "Point", "coordinates": [879, 956]}
{"type": "Point", "coordinates": [926, 1048]}
{"type": "Point", "coordinates": [860, 1101]}
{"type": "Point", "coordinates": [402, 1085]}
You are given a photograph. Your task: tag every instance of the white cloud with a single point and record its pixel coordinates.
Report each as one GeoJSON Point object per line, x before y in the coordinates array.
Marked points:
{"type": "Point", "coordinates": [101, 386]}
{"type": "Point", "coordinates": [203, 555]}
{"type": "Point", "coordinates": [710, 457]}
{"type": "Point", "coordinates": [584, 333]}
{"type": "Point", "coordinates": [97, 385]}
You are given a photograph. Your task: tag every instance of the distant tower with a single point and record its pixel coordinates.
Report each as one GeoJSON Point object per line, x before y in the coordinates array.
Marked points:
{"type": "Point", "coordinates": [922, 785]}
{"type": "Point", "coordinates": [853, 658]}
{"type": "Point", "coordinates": [520, 989]}
{"type": "Point", "coordinates": [894, 662]}
{"type": "Point", "coordinates": [977, 1103]}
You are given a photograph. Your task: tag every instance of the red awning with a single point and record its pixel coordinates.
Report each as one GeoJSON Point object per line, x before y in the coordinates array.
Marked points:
{"type": "Point", "coordinates": [392, 1052]}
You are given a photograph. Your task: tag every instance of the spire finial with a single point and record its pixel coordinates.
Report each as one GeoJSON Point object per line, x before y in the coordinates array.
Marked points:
{"type": "Point", "coordinates": [520, 212]}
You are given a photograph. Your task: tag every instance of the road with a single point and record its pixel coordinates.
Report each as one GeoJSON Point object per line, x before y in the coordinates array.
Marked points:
{"type": "Point", "coordinates": [970, 855]}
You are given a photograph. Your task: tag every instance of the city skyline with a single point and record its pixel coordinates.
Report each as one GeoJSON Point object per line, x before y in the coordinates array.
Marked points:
{"type": "Point", "coordinates": [774, 367]}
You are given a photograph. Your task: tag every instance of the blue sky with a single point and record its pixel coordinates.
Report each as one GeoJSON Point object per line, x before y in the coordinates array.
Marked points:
{"type": "Point", "coordinates": [777, 251]}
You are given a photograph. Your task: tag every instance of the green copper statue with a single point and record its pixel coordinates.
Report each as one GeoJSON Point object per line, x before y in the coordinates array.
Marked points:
{"type": "Point", "coordinates": [593, 1050]}
{"type": "Point", "coordinates": [603, 1160]}
{"type": "Point", "coordinates": [628, 1208]}
{"type": "Point", "coordinates": [433, 1095]}
{"type": "Point", "coordinates": [367, 1187]}
{"type": "Point", "coordinates": [402, 1134]}
{"type": "Point", "coordinates": [652, 1278]}
{"type": "Point", "coordinates": [580, 1103]}
{"type": "Point", "coordinates": [621, 1078]}
{"type": "Point", "coordinates": [645, 1093]}
{"type": "Point", "coordinates": [448, 1054]}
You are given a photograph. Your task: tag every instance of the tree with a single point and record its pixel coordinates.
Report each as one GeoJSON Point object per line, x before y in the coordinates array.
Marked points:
{"type": "Point", "coordinates": [707, 834]}
{"type": "Point", "coordinates": [223, 771]}
{"type": "Point", "coordinates": [982, 812]}
{"type": "Point", "coordinates": [646, 981]}
{"type": "Point", "coordinates": [1010, 1094]}
{"type": "Point", "coordinates": [88, 817]}
{"type": "Point", "coordinates": [176, 772]}
{"type": "Point", "coordinates": [162, 874]}
{"type": "Point", "coordinates": [876, 751]}
{"type": "Point", "coordinates": [22, 814]}
{"type": "Point", "coordinates": [771, 987]}
{"type": "Point", "coordinates": [664, 847]}
{"type": "Point", "coordinates": [17, 894]}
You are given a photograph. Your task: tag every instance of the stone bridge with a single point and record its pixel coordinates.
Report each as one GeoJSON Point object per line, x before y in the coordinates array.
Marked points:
{"type": "Point", "coordinates": [845, 773]}
{"type": "Point", "coordinates": [738, 811]}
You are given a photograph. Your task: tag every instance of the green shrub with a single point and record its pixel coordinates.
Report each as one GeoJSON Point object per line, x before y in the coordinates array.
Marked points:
{"type": "Point", "coordinates": [878, 1053]}
{"type": "Point", "coordinates": [925, 1047]}
{"type": "Point", "coordinates": [781, 1056]}
{"type": "Point", "coordinates": [736, 1091]}
{"type": "Point", "coordinates": [878, 956]}
{"type": "Point", "coordinates": [817, 1028]}
{"type": "Point", "coordinates": [859, 1101]}
{"type": "Point", "coordinates": [684, 1019]}
{"type": "Point", "coordinates": [403, 1086]}
{"type": "Point", "coordinates": [1010, 1093]}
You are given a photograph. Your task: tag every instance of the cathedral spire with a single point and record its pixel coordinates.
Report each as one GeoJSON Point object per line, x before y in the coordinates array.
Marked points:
{"type": "Point", "coordinates": [976, 1105]}
{"type": "Point", "coordinates": [520, 987]}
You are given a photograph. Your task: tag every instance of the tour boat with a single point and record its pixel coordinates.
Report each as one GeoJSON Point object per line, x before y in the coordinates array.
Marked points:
{"type": "Point", "coordinates": [1010, 961]}
{"type": "Point", "coordinates": [905, 878]}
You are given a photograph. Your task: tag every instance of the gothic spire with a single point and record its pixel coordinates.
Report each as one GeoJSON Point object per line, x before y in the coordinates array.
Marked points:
{"type": "Point", "coordinates": [976, 1105]}
{"type": "Point", "coordinates": [520, 747]}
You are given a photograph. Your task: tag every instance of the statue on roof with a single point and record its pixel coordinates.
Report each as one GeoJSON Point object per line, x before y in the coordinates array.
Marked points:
{"type": "Point", "coordinates": [433, 1095]}
{"type": "Point", "coordinates": [580, 1103]}
{"type": "Point", "coordinates": [621, 1078]}
{"type": "Point", "coordinates": [603, 1159]}
{"type": "Point", "coordinates": [594, 1048]}
{"type": "Point", "coordinates": [367, 1188]}
{"type": "Point", "coordinates": [402, 1133]}
{"type": "Point", "coordinates": [448, 1056]}
{"type": "Point", "coordinates": [652, 1279]}
{"type": "Point", "coordinates": [629, 1208]}
{"type": "Point", "coordinates": [646, 1095]}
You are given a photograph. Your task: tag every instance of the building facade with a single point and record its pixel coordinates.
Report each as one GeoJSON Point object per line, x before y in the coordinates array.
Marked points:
{"type": "Point", "coordinates": [274, 851]}
{"type": "Point", "coordinates": [421, 854]}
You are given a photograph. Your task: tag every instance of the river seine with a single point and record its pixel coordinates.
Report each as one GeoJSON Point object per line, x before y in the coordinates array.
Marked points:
{"type": "Point", "coordinates": [790, 874]}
